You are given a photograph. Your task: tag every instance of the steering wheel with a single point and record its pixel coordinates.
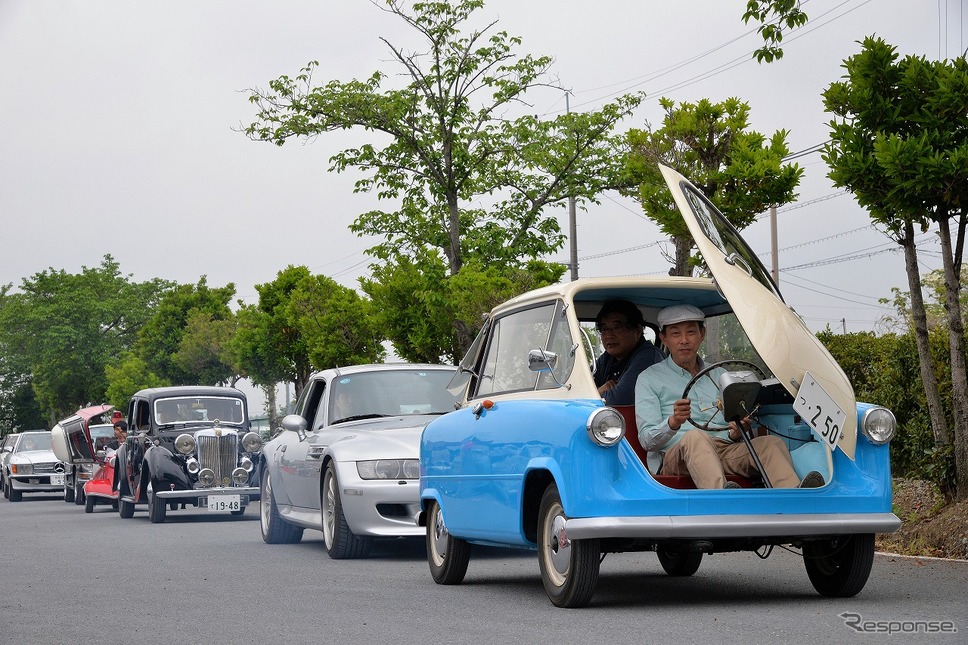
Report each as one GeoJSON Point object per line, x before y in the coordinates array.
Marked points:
{"type": "Point", "coordinates": [729, 366]}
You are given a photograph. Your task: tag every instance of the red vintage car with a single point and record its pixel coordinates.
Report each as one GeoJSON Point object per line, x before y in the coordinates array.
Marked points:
{"type": "Point", "coordinates": [85, 443]}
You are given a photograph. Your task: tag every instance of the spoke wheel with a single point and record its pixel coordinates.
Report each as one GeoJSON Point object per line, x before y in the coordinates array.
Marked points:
{"type": "Point", "coordinates": [839, 568]}
{"type": "Point", "coordinates": [569, 568]}
{"type": "Point", "coordinates": [341, 542]}
{"type": "Point", "coordinates": [706, 373]}
{"type": "Point", "coordinates": [448, 556]}
{"type": "Point", "coordinates": [679, 564]}
{"type": "Point", "coordinates": [275, 530]}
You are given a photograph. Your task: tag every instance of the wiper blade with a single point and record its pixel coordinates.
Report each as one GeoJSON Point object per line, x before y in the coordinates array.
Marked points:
{"type": "Point", "coordinates": [357, 417]}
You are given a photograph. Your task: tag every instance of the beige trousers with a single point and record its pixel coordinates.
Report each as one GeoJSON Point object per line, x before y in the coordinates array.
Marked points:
{"type": "Point", "coordinates": [708, 460]}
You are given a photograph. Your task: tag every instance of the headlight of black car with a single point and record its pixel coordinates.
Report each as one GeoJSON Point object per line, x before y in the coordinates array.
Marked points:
{"type": "Point", "coordinates": [252, 442]}
{"type": "Point", "coordinates": [185, 444]}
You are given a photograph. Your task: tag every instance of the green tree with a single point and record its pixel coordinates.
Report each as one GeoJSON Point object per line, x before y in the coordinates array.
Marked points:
{"type": "Point", "coordinates": [473, 182]}
{"type": "Point", "coordinates": [159, 343]}
{"type": "Point", "coordinates": [205, 349]}
{"type": "Point", "coordinates": [740, 171]}
{"type": "Point", "coordinates": [302, 322]}
{"type": "Point", "coordinates": [774, 17]}
{"type": "Point", "coordinates": [899, 142]}
{"type": "Point", "coordinates": [66, 328]}
{"type": "Point", "coordinates": [127, 376]}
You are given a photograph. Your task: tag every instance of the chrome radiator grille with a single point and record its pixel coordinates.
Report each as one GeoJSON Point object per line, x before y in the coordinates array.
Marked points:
{"type": "Point", "coordinates": [220, 454]}
{"type": "Point", "coordinates": [46, 468]}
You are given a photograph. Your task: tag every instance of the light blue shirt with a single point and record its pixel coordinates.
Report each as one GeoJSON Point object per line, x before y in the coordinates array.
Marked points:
{"type": "Point", "coordinates": [656, 390]}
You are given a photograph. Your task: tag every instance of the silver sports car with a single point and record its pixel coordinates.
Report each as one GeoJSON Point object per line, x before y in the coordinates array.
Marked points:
{"type": "Point", "coordinates": [347, 461]}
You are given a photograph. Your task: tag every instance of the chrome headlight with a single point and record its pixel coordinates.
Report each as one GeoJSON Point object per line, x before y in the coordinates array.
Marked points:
{"type": "Point", "coordinates": [21, 469]}
{"type": "Point", "coordinates": [252, 442]}
{"type": "Point", "coordinates": [185, 444]}
{"type": "Point", "coordinates": [193, 466]}
{"type": "Point", "coordinates": [605, 426]}
{"type": "Point", "coordinates": [389, 469]}
{"type": "Point", "coordinates": [240, 475]}
{"type": "Point", "coordinates": [246, 464]}
{"type": "Point", "coordinates": [206, 477]}
{"type": "Point", "coordinates": [878, 425]}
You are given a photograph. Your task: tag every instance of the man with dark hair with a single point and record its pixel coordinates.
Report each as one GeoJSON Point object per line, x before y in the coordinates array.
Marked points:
{"type": "Point", "coordinates": [627, 352]}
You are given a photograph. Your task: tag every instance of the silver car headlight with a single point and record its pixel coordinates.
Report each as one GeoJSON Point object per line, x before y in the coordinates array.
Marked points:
{"type": "Point", "coordinates": [252, 442]}
{"type": "Point", "coordinates": [878, 425]}
{"type": "Point", "coordinates": [240, 475]}
{"type": "Point", "coordinates": [193, 466]}
{"type": "Point", "coordinates": [389, 469]}
{"type": "Point", "coordinates": [185, 444]}
{"type": "Point", "coordinates": [605, 426]}
{"type": "Point", "coordinates": [21, 469]}
{"type": "Point", "coordinates": [246, 464]}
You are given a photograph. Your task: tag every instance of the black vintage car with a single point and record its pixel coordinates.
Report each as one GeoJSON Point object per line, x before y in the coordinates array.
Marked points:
{"type": "Point", "coordinates": [188, 445]}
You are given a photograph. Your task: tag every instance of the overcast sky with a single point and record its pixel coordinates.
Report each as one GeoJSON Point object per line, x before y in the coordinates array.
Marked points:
{"type": "Point", "coordinates": [120, 132]}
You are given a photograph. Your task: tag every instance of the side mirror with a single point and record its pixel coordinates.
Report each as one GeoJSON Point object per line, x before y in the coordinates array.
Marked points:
{"type": "Point", "coordinates": [540, 360]}
{"type": "Point", "coordinates": [294, 423]}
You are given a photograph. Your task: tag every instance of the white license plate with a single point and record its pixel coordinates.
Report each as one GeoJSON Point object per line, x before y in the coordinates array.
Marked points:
{"type": "Point", "coordinates": [56, 480]}
{"type": "Point", "coordinates": [820, 412]}
{"type": "Point", "coordinates": [225, 502]}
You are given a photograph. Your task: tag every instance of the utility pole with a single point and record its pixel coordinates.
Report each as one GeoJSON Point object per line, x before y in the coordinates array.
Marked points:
{"type": "Point", "coordinates": [572, 220]}
{"type": "Point", "coordinates": [773, 246]}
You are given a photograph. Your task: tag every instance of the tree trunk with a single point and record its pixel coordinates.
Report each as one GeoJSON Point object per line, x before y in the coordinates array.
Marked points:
{"type": "Point", "coordinates": [956, 345]}
{"type": "Point", "coordinates": [683, 251]}
{"type": "Point", "coordinates": [920, 324]}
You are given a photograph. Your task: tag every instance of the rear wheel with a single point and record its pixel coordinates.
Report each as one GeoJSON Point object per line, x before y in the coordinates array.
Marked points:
{"type": "Point", "coordinates": [448, 556]}
{"type": "Point", "coordinates": [157, 507]}
{"type": "Point", "coordinates": [839, 568]}
{"type": "Point", "coordinates": [569, 568]}
{"type": "Point", "coordinates": [79, 495]}
{"type": "Point", "coordinates": [275, 530]}
{"type": "Point", "coordinates": [678, 563]}
{"type": "Point", "coordinates": [341, 542]}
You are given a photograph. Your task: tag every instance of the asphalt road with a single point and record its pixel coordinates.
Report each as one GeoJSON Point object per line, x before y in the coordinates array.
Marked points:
{"type": "Point", "coordinates": [70, 577]}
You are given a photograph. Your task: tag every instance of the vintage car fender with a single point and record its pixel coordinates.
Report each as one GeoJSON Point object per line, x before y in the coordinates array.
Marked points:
{"type": "Point", "coordinates": [165, 469]}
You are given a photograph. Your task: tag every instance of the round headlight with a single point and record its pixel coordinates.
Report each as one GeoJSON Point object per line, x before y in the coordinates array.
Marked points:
{"type": "Point", "coordinates": [185, 444]}
{"type": "Point", "coordinates": [193, 466]}
{"type": "Point", "coordinates": [252, 442]}
{"type": "Point", "coordinates": [388, 469]}
{"type": "Point", "coordinates": [240, 475]}
{"type": "Point", "coordinates": [206, 477]}
{"type": "Point", "coordinates": [605, 426]}
{"type": "Point", "coordinates": [878, 424]}
{"type": "Point", "coordinates": [411, 469]}
{"type": "Point", "coordinates": [246, 464]}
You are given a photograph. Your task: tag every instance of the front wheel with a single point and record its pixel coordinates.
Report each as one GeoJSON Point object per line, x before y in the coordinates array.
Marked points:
{"type": "Point", "coordinates": [679, 564]}
{"type": "Point", "coordinates": [125, 509]}
{"type": "Point", "coordinates": [89, 504]}
{"type": "Point", "coordinates": [448, 556]}
{"type": "Point", "coordinates": [68, 493]}
{"type": "Point", "coordinates": [839, 568]}
{"type": "Point", "coordinates": [79, 496]}
{"type": "Point", "coordinates": [569, 568]}
{"type": "Point", "coordinates": [157, 507]}
{"type": "Point", "coordinates": [275, 530]}
{"type": "Point", "coordinates": [15, 495]}
{"type": "Point", "coordinates": [341, 542]}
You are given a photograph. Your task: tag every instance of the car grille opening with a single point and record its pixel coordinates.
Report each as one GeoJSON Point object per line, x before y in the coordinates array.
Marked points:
{"type": "Point", "coordinates": [392, 510]}
{"type": "Point", "coordinates": [220, 454]}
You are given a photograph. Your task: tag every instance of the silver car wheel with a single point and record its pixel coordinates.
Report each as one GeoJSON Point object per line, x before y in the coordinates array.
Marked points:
{"type": "Point", "coordinates": [329, 508]}
{"type": "Point", "coordinates": [558, 547]}
{"type": "Point", "coordinates": [265, 506]}
{"type": "Point", "coordinates": [438, 538]}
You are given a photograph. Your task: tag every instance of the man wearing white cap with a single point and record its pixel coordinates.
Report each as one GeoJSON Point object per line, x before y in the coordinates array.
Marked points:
{"type": "Point", "coordinates": [676, 447]}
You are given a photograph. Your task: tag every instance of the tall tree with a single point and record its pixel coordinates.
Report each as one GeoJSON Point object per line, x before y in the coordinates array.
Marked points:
{"type": "Point", "coordinates": [774, 17]}
{"type": "Point", "coordinates": [65, 328]}
{"type": "Point", "coordinates": [304, 321]}
{"type": "Point", "coordinates": [160, 340]}
{"type": "Point", "coordinates": [454, 144]}
{"type": "Point", "coordinates": [740, 171]}
{"type": "Point", "coordinates": [899, 142]}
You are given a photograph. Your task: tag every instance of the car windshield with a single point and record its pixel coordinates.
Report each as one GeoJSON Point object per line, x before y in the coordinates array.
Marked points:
{"type": "Point", "coordinates": [39, 441]}
{"type": "Point", "coordinates": [390, 393]}
{"type": "Point", "coordinates": [193, 409]}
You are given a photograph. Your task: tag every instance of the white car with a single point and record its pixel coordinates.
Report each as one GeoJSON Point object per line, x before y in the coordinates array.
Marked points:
{"type": "Point", "coordinates": [32, 467]}
{"type": "Point", "coordinates": [346, 463]}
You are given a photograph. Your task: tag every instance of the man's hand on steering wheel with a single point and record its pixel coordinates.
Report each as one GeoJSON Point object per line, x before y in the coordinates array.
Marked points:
{"type": "Point", "coordinates": [681, 410]}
